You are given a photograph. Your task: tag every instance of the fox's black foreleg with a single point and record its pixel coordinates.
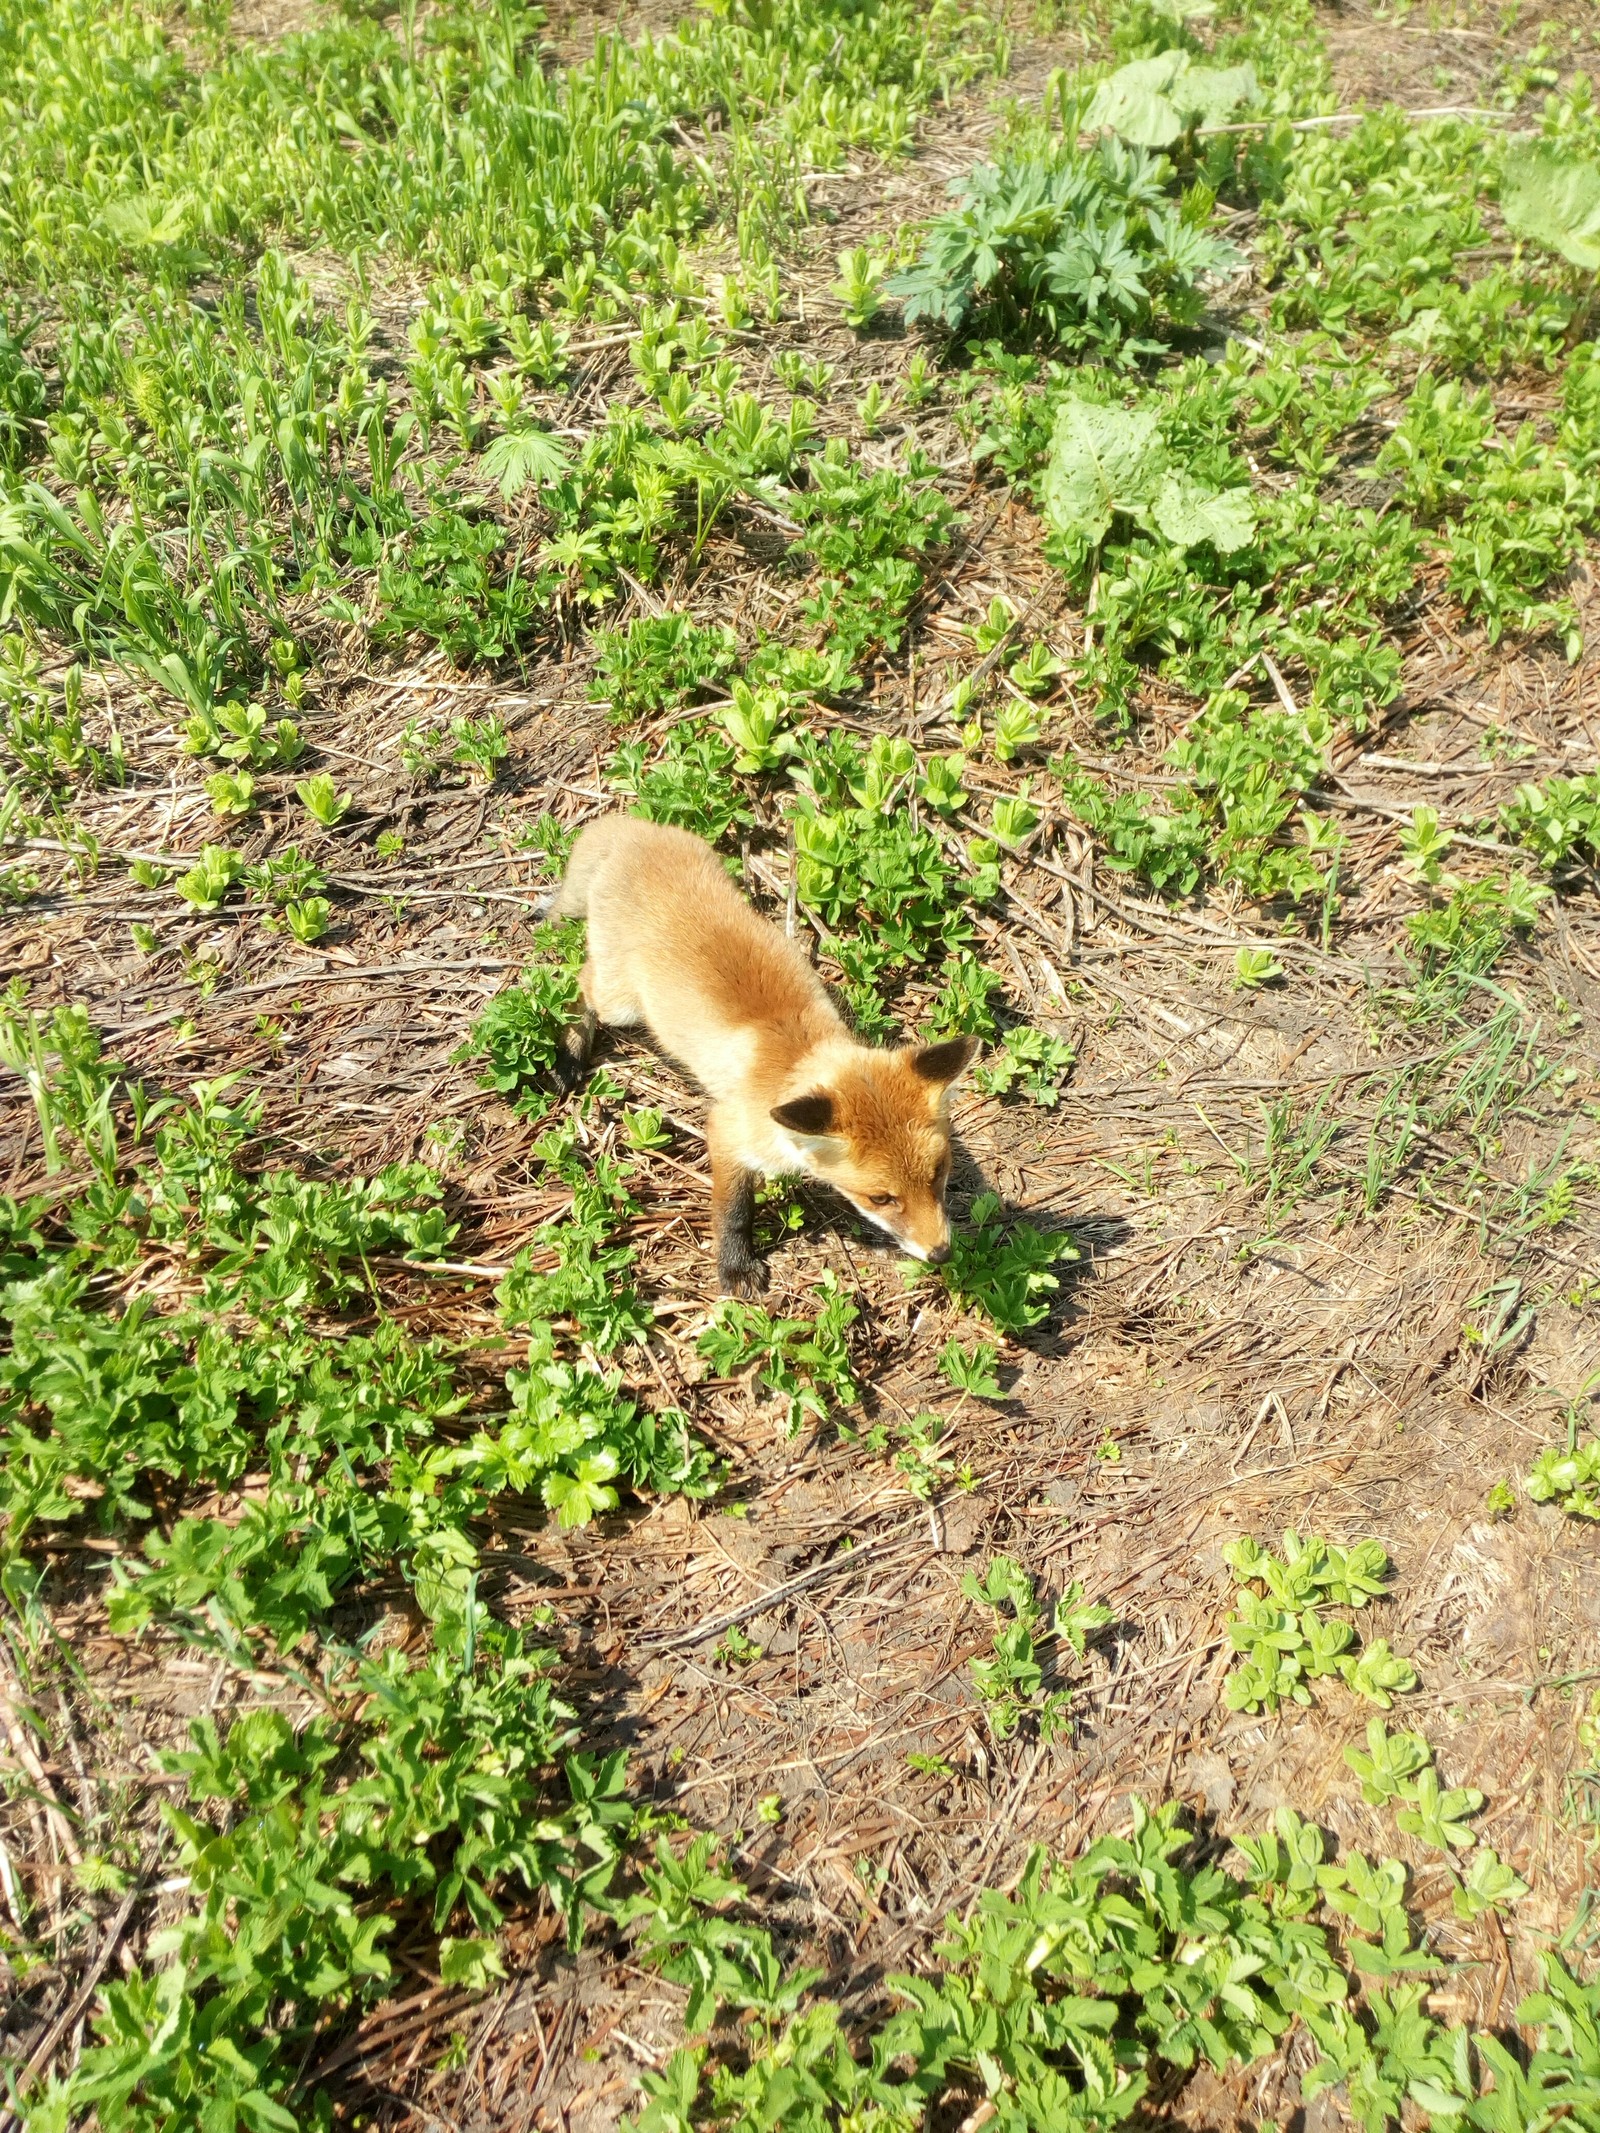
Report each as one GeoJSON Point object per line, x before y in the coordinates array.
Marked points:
{"type": "Point", "coordinates": [740, 1270]}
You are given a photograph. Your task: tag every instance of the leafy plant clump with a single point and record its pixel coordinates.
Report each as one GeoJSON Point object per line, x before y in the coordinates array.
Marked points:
{"type": "Point", "coordinates": [803, 1362]}
{"type": "Point", "coordinates": [1081, 250]}
{"type": "Point", "coordinates": [441, 1784]}
{"type": "Point", "coordinates": [212, 1377]}
{"type": "Point", "coordinates": [1280, 1628]}
{"type": "Point", "coordinates": [519, 1035]}
{"type": "Point", "coordinates": [1068, 1997]}
{"type": "Point", "coordinates": [1155, 102]}
{"type": "Point", "coordinates": [1110, 460]}
{"type": "Point", "coordinates": [659, 662]}
{"type": "Point", "coordinates": [1568, 1478]}
{"type": "Point", "coordinates": [1029, 1059]}
{"type": "Point", "coordinates": [1001, 1266]}
{"type": "Point", "coordinates": [1011, 1681]}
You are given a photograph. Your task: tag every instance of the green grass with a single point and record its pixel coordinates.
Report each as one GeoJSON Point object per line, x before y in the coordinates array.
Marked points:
{"type": "Point", "coordinates": [222, 465]}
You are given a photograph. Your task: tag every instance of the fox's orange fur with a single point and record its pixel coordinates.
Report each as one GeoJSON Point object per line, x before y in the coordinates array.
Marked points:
{"type": "Point", "coordinates": [673, 945]}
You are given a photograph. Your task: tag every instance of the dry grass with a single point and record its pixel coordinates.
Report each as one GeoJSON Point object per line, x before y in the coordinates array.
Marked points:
{"type": "Point", "coordinates": [1218, 1365]}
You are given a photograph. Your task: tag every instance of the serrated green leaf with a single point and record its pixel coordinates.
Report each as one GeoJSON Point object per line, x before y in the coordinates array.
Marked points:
{"type": "Point", "coordinates": [520, 458]}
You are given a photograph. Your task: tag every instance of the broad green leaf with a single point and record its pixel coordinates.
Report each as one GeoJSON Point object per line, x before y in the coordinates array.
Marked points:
{"type": "Point", "coordinates": [1187, 513]}
{"type": "Point", "coordinates": [1553, 197]}
{"type": "Point", "coordinates": [1154, 102]}
{"type": "Point", "coordinates": [142, 220]}
{"type": "Point", "coordinates": [1102, 460]}
{"type": "Point", "coordinates": [1209, 96]}
{"type": "Point", "coordinates": [473, 1963]}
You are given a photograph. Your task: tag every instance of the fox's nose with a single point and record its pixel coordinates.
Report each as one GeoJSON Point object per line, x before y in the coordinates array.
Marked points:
{"type": "Point", "coordinates": [939, 1254]}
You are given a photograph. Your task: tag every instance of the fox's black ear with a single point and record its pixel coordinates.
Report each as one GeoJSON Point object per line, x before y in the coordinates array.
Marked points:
{"type": "Point", "coordinates": [941, 1063]}
{"type": "Point", "coordinates": [806, 1114]}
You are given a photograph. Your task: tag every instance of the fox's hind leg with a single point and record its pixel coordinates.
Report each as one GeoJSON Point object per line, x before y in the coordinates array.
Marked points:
{"type": "Point", "coordinates": [740, 1269]}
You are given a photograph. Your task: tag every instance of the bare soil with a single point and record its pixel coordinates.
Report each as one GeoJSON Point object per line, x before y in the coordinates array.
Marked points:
{"type": "Point", "coordinates": [1215, 1366]}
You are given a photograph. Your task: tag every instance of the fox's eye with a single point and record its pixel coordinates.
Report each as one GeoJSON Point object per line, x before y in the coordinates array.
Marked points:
{"type": "Point", "coordinates": [880, 1199]}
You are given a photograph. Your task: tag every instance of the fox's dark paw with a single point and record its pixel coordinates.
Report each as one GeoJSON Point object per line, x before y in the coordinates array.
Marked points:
{"type": "Point", "coordinates": [573, 1051]}
{"type": "Point", "coordinates": [568, 1071]}
{"type": "Point", "coordinates": [742, 1274]}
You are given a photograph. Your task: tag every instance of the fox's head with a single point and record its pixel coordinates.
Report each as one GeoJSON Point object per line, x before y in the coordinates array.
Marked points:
{"type": "Point", "coordinates": [877, 1129]}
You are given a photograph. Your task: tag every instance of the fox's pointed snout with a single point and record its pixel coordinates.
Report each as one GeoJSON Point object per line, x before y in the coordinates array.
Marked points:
{"type": "Point", "coordinates": [939, 1254]}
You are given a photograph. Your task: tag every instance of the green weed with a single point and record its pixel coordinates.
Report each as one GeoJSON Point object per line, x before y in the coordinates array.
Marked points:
{"type": "Point", "coordinates": [1286, 1642]}
{"type": "Point", "coordinates": [803, 1362]}
{"type": "Point", "coordinates": [1001, 1266]}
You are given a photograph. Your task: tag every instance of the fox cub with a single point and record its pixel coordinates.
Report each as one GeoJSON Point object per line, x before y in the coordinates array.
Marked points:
{"type": "Point", "coordinates": [673, 945]}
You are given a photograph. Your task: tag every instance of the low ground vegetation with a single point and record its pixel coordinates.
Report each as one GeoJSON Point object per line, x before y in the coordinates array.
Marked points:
{"type": "Point", "coordinates": [1133, 606]}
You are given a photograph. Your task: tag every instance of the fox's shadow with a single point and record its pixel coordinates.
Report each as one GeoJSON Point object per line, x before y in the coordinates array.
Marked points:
{"type": "Point", "coordinates": [1091, 1235]}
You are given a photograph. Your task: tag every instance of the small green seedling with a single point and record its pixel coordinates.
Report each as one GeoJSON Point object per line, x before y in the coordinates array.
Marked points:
{"type": "Point", "coordinates": [1002, 1266]}
{"type": "Point", "coordinates": [870, 408]}
{"type": "Point", "coordinates": [1076, 1619]}
{"type": "Point", "coordinates": [1437, 1816]}
{"type": "Point", "coordinates": [917, 1462]}
{"type": "Point", "coordinates": [1036, 670]}
{"type": "Point", "coordinates": [1378, 1673]}
{"type": "Point", "coordinates": [307, 920]}
{"type": "Point", "coordinates": [581, 1495]}
{"type": "Point", "coordinates": [1388, 1764]}
{"type": "Point", "coordinates": [1488, 1885]}
{"type": "Point", "coordinates": [933, 1766]}
{"type": "Point", "coordinates": [1568, 1479]}
{"type": "Point", "coordinates": [734, 1648]}
{"type": "Point", "coordinates": [754, 722]}
{"type": "Point", "coordinates": [1015, 816]}
{"type": "Point", "coordinates": [1424, 841]}
{"type": "Point", "coordinates": [921, 382]}
{"type": "Point", "coordinates": [647, 1128]}
{"type": "Point", "coordinates": [972, 1374]}
{"type": "Point", "coordinates": [1371, 1897]}
{"type": "Point", "coordinates": [1011, 1682]}
{"type": "Point", "coordinates": [861, 275]}
{"type": "Point", "coordinates": [211, 877]}
{"type": "Point", "coordinates": [940, 783]}
{"type": "Point", "coordinates": [322, 800]}
{"type": "Point", "coordinates": [232, 792]}
{"type": "Point", "coordinates": [1256, 966]}
{"type": "Point", "coordinates": [1016, 727]}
